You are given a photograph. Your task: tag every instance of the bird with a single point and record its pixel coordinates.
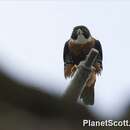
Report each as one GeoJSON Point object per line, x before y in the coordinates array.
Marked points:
{"type": "Point", "coordinates": [75, 51]}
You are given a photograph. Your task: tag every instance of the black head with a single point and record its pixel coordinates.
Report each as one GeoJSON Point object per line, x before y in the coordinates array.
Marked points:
{"type": "Point", "coordinates": [84, 31]}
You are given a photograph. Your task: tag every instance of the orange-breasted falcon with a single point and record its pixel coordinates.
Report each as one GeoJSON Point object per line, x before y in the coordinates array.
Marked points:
{"type": "Point", "coordinates": [75, 51]}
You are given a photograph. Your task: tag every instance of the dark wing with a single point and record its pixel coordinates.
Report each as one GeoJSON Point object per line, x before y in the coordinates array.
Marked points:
{"type": "Point", "coordinates": [98, 64]}
{"type": "Point", "coordinates": [68, 61]}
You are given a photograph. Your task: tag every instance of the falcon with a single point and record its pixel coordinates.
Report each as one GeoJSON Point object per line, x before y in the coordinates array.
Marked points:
{"type": "Point", "coordinates": [75, 50]}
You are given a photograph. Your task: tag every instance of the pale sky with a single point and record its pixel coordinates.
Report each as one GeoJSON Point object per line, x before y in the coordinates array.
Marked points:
{"type": "Point", "coordinates": [32, 37]}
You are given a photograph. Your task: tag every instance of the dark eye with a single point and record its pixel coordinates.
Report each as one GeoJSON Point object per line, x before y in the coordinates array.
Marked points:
{"type": "Point", "coordinates": [86, 32]}
{"type": "Point", "coordinates": [86, 35]}
{"type": "Point", "coordinates": [74, 35]}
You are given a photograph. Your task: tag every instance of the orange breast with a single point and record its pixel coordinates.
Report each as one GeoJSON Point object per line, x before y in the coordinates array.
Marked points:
{"type": "Point", "coordinates": [78, 49]}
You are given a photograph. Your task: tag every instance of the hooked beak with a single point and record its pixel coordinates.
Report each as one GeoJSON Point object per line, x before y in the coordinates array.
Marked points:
{"type": "Point", "coordinates": [79, 32]}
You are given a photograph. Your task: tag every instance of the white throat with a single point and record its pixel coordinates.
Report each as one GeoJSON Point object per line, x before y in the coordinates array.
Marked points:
{"type": "Point", "coordinates": [82, 40]}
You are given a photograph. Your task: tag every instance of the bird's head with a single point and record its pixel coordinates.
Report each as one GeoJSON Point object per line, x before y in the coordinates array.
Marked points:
{"type": "Point", "coordinates": [81, 35]}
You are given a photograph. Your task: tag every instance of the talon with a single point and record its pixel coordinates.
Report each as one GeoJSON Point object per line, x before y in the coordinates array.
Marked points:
{"type": "Point", "coordinates": [98, 68]}
{"type": "Point", "coordinates": [74, 68]}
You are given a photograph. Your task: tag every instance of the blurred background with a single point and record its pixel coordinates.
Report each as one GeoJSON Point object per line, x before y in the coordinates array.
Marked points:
{"type": "Point", "coordinates": [32, 37]}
